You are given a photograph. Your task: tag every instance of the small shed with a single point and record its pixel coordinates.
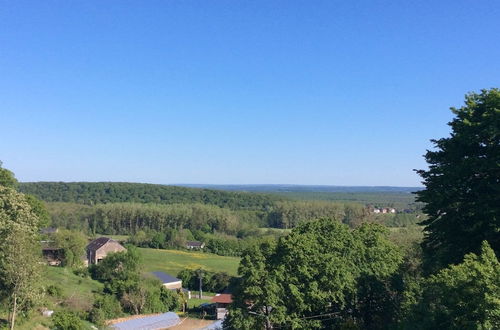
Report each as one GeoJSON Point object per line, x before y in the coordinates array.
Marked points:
{"type": "Point", "coordinates": [222, 301]}
{"type": "Point", "coordinates": [168, 281]}
{"type": "Point", "coordinates": [99, 248]}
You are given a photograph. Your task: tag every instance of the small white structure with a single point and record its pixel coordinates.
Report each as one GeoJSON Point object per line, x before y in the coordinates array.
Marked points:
{"type": "Point", "coordinates": [168, 281]}
{"type": "Point", "coordinates": [47, 312]}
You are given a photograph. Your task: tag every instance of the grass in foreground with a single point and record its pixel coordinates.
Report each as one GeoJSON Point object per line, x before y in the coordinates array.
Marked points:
{"type": "Point", "coordinates": [173, 261]}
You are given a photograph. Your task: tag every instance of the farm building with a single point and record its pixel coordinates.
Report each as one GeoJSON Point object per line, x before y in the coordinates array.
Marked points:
{"type": "Point", "coordinates": [222, 301]}
{"type": "Point", "coordinates": [99, 248]}
{"type": "Point", "coordinates": [168, 281]}
{"type": "Point", "coordinates": [194, 245]}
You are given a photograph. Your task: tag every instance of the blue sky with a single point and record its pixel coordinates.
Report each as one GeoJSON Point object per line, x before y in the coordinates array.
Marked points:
{"type": "Point", "coordinates": [299, 92]}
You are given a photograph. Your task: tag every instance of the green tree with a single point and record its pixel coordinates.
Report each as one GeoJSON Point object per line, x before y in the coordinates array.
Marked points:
{"type": "Point", "coordinates": [463, 296]}
{"type": "Point", "coordinates": [118, 271]}
{"type": "Point", "coordinates": [67, 321]}
{"type": "Point", "coordinates": [7, 178]}
{"type": "Point", "coordinates": [311, 278]}
{"type": "Point", "coordinates": [462, 184]}
{"type": "Point", "coordinates": [38, 207]}
{"type": "Point", "coordinates": [19, 252]}
{"type": "Point", "coordinates": [73, 245]}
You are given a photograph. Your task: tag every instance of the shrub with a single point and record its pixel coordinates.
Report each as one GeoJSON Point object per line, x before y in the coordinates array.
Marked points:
{"type": "Point", "coordinates": [64, 320]}
{"type": "Point", "coordinates": [54, 291]}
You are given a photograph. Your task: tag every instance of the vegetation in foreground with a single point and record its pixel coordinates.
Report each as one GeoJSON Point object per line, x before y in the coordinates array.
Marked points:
{"type": "Point", "coordinates": [340, 271]}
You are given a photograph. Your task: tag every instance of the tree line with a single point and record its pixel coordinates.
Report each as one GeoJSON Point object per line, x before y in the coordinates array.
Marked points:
{"type": "Point", "coordinates": [90, 193]}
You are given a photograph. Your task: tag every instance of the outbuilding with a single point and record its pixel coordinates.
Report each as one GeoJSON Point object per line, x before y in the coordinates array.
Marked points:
{"type": "Point", "coordinates": [99, 248]}
{"type": "Point", "coordinates": [168, 281]}
{"type": "Point", "coordinates": [222, 301]}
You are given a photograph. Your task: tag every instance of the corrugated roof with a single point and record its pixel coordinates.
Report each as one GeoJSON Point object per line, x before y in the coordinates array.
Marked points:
{"type": "Point", "coordinates": [156, 322]}
{"type": "Point", "coordinates": [165, 278]}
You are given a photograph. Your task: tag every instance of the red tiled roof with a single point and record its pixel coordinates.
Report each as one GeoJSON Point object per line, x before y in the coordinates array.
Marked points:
{"type": "Point", "coordinates": [223, 298]}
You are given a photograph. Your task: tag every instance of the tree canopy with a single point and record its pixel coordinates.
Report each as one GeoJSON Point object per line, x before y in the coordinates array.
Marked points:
{"type": "Point", "coordinates": [311, 277]}
{"type": "Point", "coordinates": [462, 184]}
{"type": "Point", "coordinates": [19, 252]}
{"type": "Point", "coordinates": [7, 178]}
{"type": "Point", "coordinates": [464, 296]}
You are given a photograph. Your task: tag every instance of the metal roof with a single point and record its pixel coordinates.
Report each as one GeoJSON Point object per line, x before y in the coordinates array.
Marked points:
{"type": "Point", "coordinates": [223, 298]}
{"type": "Point", "coordinates": [156, 322]}
{"type": "Point", "coordinates": [165, 278]}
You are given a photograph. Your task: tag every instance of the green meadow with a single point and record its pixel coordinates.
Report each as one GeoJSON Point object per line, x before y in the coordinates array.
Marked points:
{"type": "Point", "coordinates": [173, 261]}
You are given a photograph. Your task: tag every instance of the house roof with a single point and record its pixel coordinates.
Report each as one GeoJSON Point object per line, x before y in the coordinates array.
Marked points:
{"type": "Point", "coordinates": [165, 278]}
{"type": "Point", "coordinates": [98, 243]}
{"type": "Point", "coordinates": [223, 298]}
{"type": "Point", "coordinates": [194, 243]}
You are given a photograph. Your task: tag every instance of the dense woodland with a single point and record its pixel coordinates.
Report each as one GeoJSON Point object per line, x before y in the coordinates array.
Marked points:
{"type": "Point", "coordinates": [118, 192]}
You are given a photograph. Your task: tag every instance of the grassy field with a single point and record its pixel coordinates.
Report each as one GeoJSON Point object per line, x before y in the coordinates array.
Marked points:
{"type": "Point", "coordinates": [173, 261]}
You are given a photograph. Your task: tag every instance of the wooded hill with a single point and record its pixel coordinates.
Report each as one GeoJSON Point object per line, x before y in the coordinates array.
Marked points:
{"type": "Point", "coordinates": [117, 192]}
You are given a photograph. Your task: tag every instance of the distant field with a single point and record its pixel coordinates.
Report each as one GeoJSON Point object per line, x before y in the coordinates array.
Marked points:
{"type": "Point", "coordinates": [173, 261]}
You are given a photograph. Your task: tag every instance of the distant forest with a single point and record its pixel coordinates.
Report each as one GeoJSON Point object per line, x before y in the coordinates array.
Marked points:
{"type": "Point", "coordinates": [90, 193]}
{"type": "Point", "coordinates": [126, 208]}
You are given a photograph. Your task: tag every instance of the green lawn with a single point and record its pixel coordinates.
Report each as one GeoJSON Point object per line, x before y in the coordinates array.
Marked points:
{"type": "Point", "coordinates": [173, 261]}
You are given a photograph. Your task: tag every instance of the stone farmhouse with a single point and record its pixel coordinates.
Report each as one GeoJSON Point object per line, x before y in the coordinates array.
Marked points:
{"type": "Point", "coordinates": [99, 248]}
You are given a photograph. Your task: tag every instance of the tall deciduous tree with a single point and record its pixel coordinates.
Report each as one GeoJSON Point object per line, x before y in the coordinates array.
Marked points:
{"type": "Point", "coordinates": [462, 193]}
{"type": "Point", "coordinates": [19, 252]}
{"type": "Point", "coordinates": [463, 296]}
{"type": "Point", "coordinates": [73, 245]}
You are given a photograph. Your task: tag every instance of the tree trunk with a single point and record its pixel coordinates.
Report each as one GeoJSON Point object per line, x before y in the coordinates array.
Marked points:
{"type": "Point", "coordinates": [14, 310]}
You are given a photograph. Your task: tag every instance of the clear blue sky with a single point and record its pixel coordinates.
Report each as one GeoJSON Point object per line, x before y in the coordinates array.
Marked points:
{"type": "Point", "coordinates": [178, 91]}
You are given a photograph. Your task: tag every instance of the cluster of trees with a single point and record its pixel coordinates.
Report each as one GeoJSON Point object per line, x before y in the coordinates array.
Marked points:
{"type": "Point", "coordinates": [126, 218]}
{"type": "Point", "coordinates": [324, 275]}
{"type": "Point", "coordinates": [126, 291]}
{"type": "Point", "coordinates": [122, 192]}
{"type": "Point", "coordinates": [289, 214]}
{"type": "Point", "coordinates": [211, 281]}
{"type": "Point", "coordinates": [321, 275]}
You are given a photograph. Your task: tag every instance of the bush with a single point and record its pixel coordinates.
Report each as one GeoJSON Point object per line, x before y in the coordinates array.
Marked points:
{"type": "Point", "coordinates": [54, 291]}
{"type": "Point", "coordinates": [64, 320]}
{"type": "Point", "coordinates": [108, 305]}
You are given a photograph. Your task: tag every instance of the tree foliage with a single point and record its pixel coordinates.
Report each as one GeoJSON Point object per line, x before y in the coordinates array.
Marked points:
{"type": "Point", "coordinates": [7, 178]}
{"type": "Point", "coordinates": [19, 252]}
{"type": "Point", "coordinates": [462, 193]}
{"type": "Point", "coordinates": [310, 278]}
{"type": "Point", "coordinates": [118, 192]}
{"type": "Point", "coordinates": [463, 296]}
{"type": "Point", "coordinates": [73, 245]}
